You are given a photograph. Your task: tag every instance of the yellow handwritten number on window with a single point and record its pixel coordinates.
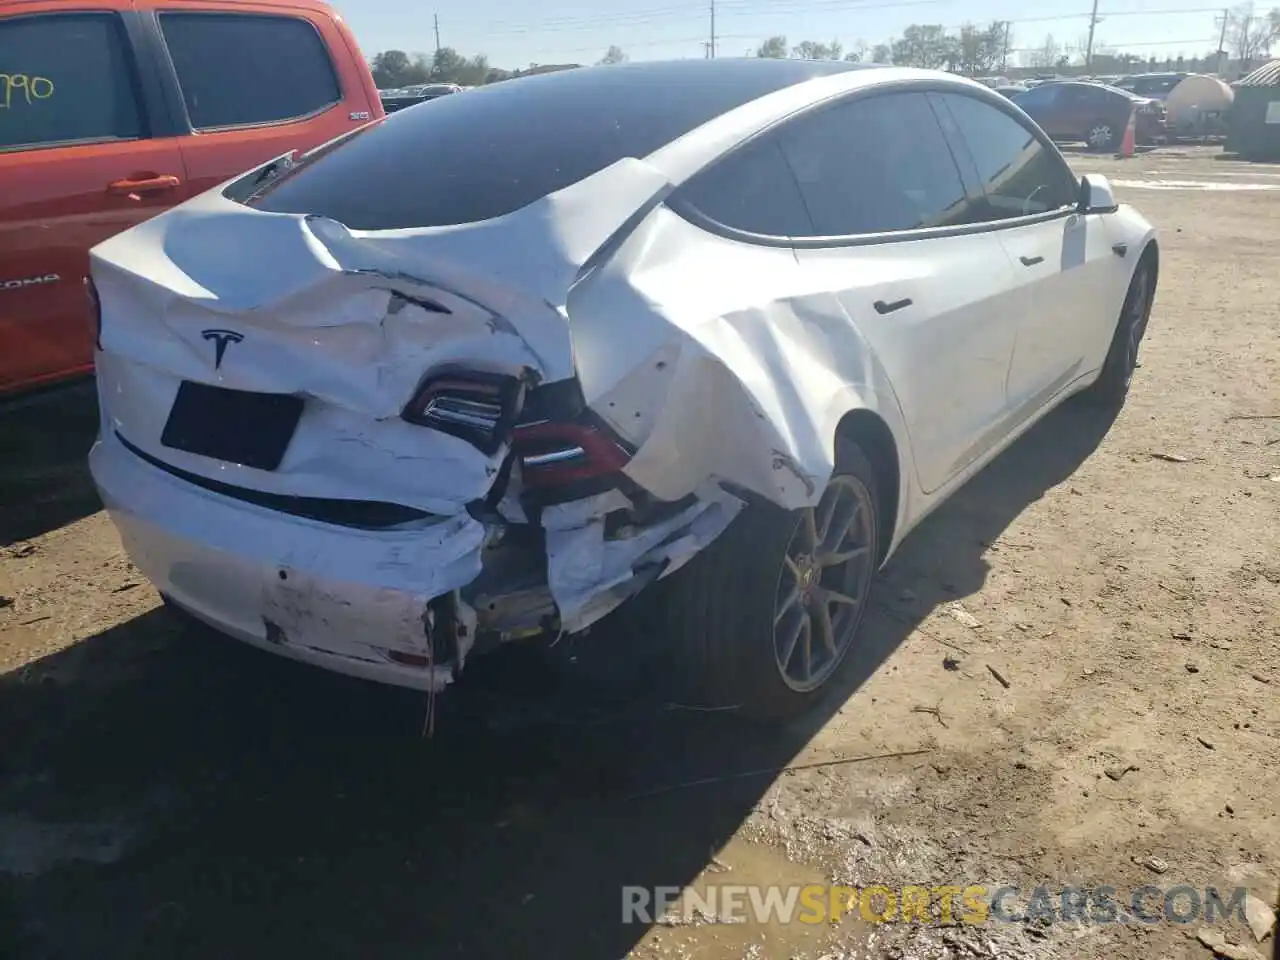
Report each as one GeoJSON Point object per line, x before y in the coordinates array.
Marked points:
{"type": "Point", "coordinates": [31, 88]}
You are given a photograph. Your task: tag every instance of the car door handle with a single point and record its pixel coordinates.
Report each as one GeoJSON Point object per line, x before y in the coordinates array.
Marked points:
{"type": "Point", "coordinates": [1031, 261]}
{"type": "Point", "coordinates": [882, 308]}
{"type": "Point", "coordinates": [1120, 249]}
{"type": "Point", "coordinates": [144, 185]}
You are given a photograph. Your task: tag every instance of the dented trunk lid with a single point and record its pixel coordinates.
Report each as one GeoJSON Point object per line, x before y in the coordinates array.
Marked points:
{"type": "Point", "coordinates": [215, 301]}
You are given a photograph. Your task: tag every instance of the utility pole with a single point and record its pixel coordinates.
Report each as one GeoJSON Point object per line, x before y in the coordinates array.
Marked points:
{"type": "Point", "coordinates": [1222, 40]}
{"type": "Point", "coordinates": [1004, 56]}
{"type": "Point", "coordinates": [1093, 22]}
{"type": "Point", "coordinates": [711, 48]}
{"type": "Point", "coordinates": [437, 22]}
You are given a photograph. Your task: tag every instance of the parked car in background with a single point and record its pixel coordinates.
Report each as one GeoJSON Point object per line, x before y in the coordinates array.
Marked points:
{"type": "Point", "coordinates": [396, 100]}
{"type": "Point", "coordinates": [714, 338]}
{"type": "Point", "coordinates": [117, 109]}
{"type": "Point", "coordinates": [1157, 86]}
{"type": "Point", "coordinates": [1092, 112]}
{"type": "Point", "coordinates": [429, 91]}
{"type": "Point", "coordinates": [1010, 90]}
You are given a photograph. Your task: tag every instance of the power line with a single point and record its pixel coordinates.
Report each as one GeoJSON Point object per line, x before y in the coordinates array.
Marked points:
{"type": "Point", "coordinates": [1149, 43]}
{"type": "Point", "coordinates": [754, 8]}
{"type": "Point", "coordinates": [723, 7]}
{"type": "Point", "coordinates": [718, 9]}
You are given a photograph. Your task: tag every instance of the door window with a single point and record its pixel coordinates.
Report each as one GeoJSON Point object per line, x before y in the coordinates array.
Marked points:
{"type": "Point", "coordinates": [1084, 97]}
{"type": "Point", "coordinates": [1037, 98]}
{"type": "Point", "coordinates": [66, 78]}
{"type": "Point", "coordinates": [1019, 174]}
{"type": "Point", "coordinates": [237, 70]}
{"type": "Point", "coordinates": [875, 165]}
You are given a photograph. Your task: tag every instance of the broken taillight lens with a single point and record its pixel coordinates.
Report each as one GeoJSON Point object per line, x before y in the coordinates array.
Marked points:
{"type": "Point", "coordinates": [95, 311]}
{"type": "Point", "coordinates": [553, 453]}
{"type": "Point", "coordinates": [476, 407]}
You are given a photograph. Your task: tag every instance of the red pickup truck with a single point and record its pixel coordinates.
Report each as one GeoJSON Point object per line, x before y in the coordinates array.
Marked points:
{"type": "Point", "coordinates": [113, 110]}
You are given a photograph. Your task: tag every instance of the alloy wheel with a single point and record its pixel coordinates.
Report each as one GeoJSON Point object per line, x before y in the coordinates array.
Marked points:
{"type": "Point", "coordinates": [1100, 135]}
{"type": "Point", "coordinates": [823, 585]}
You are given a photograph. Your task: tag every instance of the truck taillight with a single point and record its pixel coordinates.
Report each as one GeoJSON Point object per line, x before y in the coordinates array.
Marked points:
{"type": "Point", "coordinates": [553, 453]}
{"type": "Point", "coordinates": [95, 311]}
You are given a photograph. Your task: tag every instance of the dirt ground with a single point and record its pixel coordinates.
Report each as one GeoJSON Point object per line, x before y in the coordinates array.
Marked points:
{"type": "Point", "coordinates": [167, 793]}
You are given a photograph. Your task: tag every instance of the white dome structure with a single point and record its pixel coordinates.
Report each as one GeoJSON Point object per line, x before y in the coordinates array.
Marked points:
{"type": "Point", "coordinates": [1198, 106]}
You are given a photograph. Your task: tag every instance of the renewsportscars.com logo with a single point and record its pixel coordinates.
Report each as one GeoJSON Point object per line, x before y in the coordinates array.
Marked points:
{"type": "Point", "coordinates": [973, 905]}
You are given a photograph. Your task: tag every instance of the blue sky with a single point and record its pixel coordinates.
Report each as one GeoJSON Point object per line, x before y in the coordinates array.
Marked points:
{"type": "Point", "coordinates": [513, 34]}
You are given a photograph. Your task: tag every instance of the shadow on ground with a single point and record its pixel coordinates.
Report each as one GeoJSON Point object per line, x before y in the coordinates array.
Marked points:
{"type": "Point", "coordinates": [220, 802]}
{"type": "Point", "coordinates": [44, 439]}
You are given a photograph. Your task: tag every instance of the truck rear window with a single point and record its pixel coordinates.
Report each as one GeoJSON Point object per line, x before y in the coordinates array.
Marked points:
{"type": "Point", "coordinates": [236, 70]}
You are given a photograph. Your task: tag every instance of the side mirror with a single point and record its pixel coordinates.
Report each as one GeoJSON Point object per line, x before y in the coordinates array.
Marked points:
{"type": "Point", "coordinates": [1096, 195]}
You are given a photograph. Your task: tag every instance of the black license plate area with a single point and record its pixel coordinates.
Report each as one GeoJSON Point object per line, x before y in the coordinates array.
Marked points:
{"type": "Point", "coordinates": [237, 426]}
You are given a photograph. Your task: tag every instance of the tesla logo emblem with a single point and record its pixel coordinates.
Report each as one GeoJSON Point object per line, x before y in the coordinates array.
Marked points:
{"type": "Point", "coordinates": [220, 339]}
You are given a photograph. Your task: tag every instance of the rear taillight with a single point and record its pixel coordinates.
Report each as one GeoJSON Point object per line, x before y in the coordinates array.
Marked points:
{"type": "Point", "coordinates": [553, 453]}
{"type": "Point", "coordinates": [477, 407]}
{"type": "Point", "coordinates": [95, 311]}
{"type": "Point", "coordinates": [560, 446]}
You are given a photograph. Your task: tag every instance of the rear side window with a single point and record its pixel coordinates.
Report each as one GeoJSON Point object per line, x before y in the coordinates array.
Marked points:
{"type": "Point", "coordinates": [237, 70]}
{"type": "Point", "coordinates": [1019, 175]}
{"type": "Point", "coordinates": [875, 165]}
{"type": "Point", "coordinates": [751, 190]}
{"type": "Point", "coordinates": [66, 78]}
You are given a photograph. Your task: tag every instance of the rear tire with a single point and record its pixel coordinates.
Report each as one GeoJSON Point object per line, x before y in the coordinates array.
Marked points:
{"type": "Point", "coordinates": [1112, 386]}
{"type": "Point", "coordinates": [760, 589]}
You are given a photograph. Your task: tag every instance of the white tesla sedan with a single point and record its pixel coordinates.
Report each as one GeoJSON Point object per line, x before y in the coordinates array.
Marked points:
{"type": "Point", "coordinates": [486, 369]}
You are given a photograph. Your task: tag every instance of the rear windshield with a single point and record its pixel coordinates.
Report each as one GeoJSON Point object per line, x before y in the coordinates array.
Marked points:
{"type": "Point", "coordinates": [499, 148]}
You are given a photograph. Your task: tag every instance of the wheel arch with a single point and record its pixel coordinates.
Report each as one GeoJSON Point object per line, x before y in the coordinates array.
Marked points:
{"type": "Point", "coordinates": [1151, 255]}
{"type": "Point", "coordinates": [872, 435]}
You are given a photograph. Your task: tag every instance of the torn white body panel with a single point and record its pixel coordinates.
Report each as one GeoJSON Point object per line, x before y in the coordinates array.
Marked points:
{"type": "Point", "coordinates": [591, 573]}
{"type": "Point", "coordinates": [770, 362]}
{"type": "Point", "coordinates": [354, 321]}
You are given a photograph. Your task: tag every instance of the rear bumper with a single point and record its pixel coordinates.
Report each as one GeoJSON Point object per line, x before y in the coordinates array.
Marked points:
{"type": "Point", "coordinates": [343, 599]}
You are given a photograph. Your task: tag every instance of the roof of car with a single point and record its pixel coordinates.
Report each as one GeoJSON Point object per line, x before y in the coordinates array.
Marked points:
{"type": "Point", "coordinates": [686, 76]}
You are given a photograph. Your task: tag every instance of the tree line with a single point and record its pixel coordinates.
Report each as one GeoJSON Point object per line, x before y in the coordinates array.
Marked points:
{"type": "Point", "coordinates": [973, 50]}
{"type": "Point", "coordinates": [395, 68]}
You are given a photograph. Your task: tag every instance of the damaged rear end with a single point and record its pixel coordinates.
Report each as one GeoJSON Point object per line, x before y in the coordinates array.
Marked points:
{"type": "Point", "coordinates": [369, 449]}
